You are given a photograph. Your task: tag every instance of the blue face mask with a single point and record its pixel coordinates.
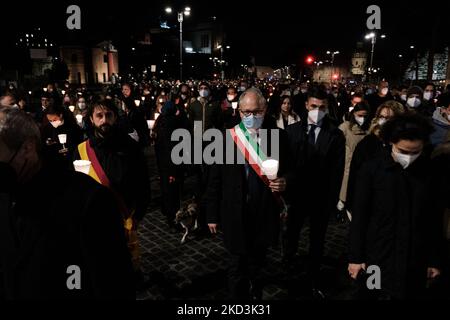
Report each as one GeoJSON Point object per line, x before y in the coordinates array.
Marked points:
{"type": "Point", "coordinates": [253, 122]}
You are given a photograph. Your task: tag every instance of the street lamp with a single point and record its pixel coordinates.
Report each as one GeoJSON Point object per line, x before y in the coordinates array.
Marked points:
{"type": "Point", "coordinates": [332, 60]}
{"type": "Point", "coordinates": [373, 37]}
{"type": "Point", "coordinates": [180, 15]}
{"type": "Point", "coordinates": [221, 48]}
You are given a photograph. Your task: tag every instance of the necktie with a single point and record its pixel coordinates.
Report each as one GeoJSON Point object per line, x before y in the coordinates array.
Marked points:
{"type": "Point", "coordinates": [312, 134]}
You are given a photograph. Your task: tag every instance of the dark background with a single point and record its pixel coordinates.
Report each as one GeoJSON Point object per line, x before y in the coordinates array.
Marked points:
{"type": "Point", "coordinates": [275, 32]}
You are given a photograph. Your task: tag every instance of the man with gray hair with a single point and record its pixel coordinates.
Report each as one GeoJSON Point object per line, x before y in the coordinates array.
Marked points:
{"type": "Point", "coordinates": [52, 222]}
{"type": "Point", "coordinates": [8, 100]}
{"type": "Point", "coordinates": [243, 201]}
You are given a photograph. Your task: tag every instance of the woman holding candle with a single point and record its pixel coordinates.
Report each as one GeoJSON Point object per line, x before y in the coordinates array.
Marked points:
{"type": "Point", "coordinates": [60, 122]}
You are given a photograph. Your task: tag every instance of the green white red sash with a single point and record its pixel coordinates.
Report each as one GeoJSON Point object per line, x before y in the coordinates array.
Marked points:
{"type": "Point", "coordinates": [254, 155]}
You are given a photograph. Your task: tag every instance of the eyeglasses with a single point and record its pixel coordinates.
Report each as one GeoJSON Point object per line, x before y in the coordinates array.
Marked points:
{"type": "Point", "coordinates": [255, 113]}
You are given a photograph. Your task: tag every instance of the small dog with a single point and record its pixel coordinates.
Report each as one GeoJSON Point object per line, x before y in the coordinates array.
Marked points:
{"type": "Point", "coordinates": [187, 217]}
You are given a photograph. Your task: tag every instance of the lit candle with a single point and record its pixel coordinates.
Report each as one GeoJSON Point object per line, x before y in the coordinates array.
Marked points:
{"type": "Point", "coordinates": [45, 89]}
{"type": "Point", "coordinates": [62, 138]}
{"type": "Point", "coordinates": [151, 124]}
{"type": "Point", "coordinates": [143, 98]}
{"type": "Point", "coordinates": [234, 105]}
{"type": "Point", "coordinates": [63, 92]}
{"type": "Point", "coordinates": [137, 103]}
{"type": "Point", "coordinates": [72, 108]}
{"type": "Point", "coordinates": [82, 166]}
{"type": "Point", "coordinates": [156, 115]}
{"type": "Point", "coordinates": [270, 168]}
{"type": "Point", "coordinates": [79, 118]}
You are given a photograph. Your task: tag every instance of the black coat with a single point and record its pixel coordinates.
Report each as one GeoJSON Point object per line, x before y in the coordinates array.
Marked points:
{"type": "Point", "coordinates": [51, 145]}
{"type": "Point", "coordinates": [368, 148]}
{"type": "Point", "coordinates": [126, 168]}
{"type": "Point", "coordinates": [136, 119]}
{"type": "Point", "coordinates": [395, 223]}
{"type": "Point", "coordinates": [247, 223]}
{"type": "Point", "coordinates": [210, 114]}
{"type": "Point", "coordinates": [165, 125]}
{"type": "Point", "coordinates": [318, 170]}
{"type": "Point", "coordinates": [62, 218]}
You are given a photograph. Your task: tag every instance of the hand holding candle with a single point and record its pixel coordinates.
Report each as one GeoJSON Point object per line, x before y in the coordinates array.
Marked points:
{"type": "Point", "coordinates": [270, 169]}
{"type": "Point", "coordinates": [82, 166]}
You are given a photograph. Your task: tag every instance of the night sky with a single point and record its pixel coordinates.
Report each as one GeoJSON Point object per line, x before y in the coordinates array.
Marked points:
{"type": "Point", "coordinates": [279, 33]}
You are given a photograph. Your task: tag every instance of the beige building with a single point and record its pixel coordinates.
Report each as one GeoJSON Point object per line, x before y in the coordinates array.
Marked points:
{"type": "Point", "coordinates": [95, 65]}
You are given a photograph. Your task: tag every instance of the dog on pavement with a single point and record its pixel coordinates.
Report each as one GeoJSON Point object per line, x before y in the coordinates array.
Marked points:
{"type": "Point", "coordinates": [187, 218]}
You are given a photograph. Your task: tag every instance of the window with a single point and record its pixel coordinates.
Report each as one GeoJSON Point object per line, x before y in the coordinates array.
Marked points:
{"type": "Point", "coordinates": [96, 77]}
{"type": "Point", "coordinates": [104, 77]}
{"type": "Point", "coordinates": [79, 77]}
{"type": "Point", "coordinates": [105, 58]}
{"type": "Point", "coordinates": [205, 41]}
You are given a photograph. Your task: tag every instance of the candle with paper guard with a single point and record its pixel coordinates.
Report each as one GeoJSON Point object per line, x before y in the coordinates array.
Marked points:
{"type": "Point", "coordinates": [62, 138]}
{"type": "Point", "coordinates": [82, 166]}
{"type": "Point", "coordinates": [270, 168]}
{"type": "Point", "coordinates": [151, 124]}
{"type": "Point", "coordinates": [72, 108]}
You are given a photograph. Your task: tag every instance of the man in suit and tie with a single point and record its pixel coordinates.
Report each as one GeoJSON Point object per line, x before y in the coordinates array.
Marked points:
{"type": "Point", "coordinates": [318, 154]}
{"type": "Point", "coordinates": [243, 202]}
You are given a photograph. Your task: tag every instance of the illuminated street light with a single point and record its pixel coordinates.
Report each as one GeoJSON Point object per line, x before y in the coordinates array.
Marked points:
{"type": "Point", "coordinates": [373, 37]}
{"type": "Point", "coordinates": [180, 16]}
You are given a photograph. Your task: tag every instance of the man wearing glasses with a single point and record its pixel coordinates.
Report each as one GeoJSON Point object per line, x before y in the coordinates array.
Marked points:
{"type": "Point", "coordinates": [243, 202]}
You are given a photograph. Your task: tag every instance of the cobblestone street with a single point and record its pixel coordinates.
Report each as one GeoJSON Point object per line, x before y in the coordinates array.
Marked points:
{"type": "Point", "coordinates": [197, 269]}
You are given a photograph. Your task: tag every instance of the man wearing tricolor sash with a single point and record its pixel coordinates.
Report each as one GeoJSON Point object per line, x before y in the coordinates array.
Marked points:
{"type": "Point", "coordinates": [118, 163]}
{"type": "Point", "coordinates": [242, 201]}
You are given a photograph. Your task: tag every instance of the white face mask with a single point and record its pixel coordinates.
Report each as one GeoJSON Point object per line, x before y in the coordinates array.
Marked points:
{"type": "Point", "coordinates": [403, 97]}
{"type": "Point", "coordinates": [56, 123]}
{"type": "Point", "coordinates": [428, 95]}
{"type": "Point", "coordinates": [413, 102]}
{"type": "Point", "coordinates": [360, 120]}
{"type": "Point", "coordinates": [405, 160]}
{"type": "Point", "coordinates": [316, 115]}
{"type": "Point", "coordinates": [203, 93]}
{"type": "Point", "coordinates": [384, 91]}
{"type": "Point", "coordinates": [231, 97]}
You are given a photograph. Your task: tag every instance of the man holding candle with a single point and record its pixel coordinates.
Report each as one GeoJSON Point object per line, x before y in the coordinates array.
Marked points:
{"type": "Point", "coordinates": [118, 163]}
{"type": "Point", "coordinates": [243, 202]}
{"type": "Point", "coordinates": [318, 155]}
{"type": "Point", "coordinates": [53, 219]}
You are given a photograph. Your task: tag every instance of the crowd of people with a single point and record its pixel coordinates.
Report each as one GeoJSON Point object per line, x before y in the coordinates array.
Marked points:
{"type": "Point", "coordinates": [372, 155]}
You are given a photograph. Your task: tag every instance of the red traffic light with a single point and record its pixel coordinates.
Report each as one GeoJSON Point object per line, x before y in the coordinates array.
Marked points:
{"type": "Point", "coordinates": [309, 59]}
